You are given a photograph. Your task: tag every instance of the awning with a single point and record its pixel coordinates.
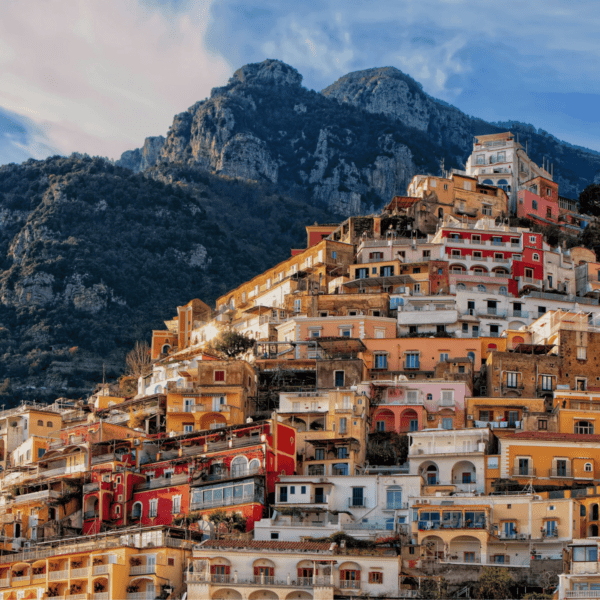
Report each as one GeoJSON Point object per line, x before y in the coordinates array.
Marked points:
{"type": "Point", "coordinates": [533, 348]}
{"type": "Point", "coordinates": [340, 345]}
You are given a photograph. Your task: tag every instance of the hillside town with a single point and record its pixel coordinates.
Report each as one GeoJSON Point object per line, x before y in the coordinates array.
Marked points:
{"type": "Point", "coordinates": [409, 399]}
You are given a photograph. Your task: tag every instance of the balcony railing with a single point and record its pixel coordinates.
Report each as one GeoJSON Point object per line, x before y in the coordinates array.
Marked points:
{"type": "Point", "coordinates": [347, 584]}
{"type": "Point", "coordinates": [357, 502]}
{"type": "Point", "coordinates": [43, 495]}
{"type": "Point", "coordinates": [147, 595]}
{"type": "Point", "coordinates": [142, 570]}
{"type": "Point", "coordinates": [83, 572]}
{"type": "Point", "coordinates": [492, 312]}
{"type": "Point", "coordinates": [523, 472]}
{"type": "Point", "coordinates": [396, 506]}
{"type": "Point", "coordinates": [4, 583]}
{"type": "Point", "coordinates": [20, 579]}
{"type": "Point", "coordinates": [88, 488]}
{"type": "Point", "coordinates": [250, 498]}
{"type": "Point", "coordinates": [566, 473]}
{"type": "Point", "coordinates": [520, 314]}
{"type": "Point", "coordinates": [258, 580]}
{"type": "Point", "coordinates": [100, 570]}
{"type": "Point", "coordinates": [56, 575]}
{"type": "Point", "coordinates": [77, 597]}
{"type": "Point", "coordinates": [582, 594]}
{"type": "Point", "coordinates": [159, 482]}
{"type": "Point", "coordinates": [102, 458]}
{"type": "Point", "coordinates": [100, 596]}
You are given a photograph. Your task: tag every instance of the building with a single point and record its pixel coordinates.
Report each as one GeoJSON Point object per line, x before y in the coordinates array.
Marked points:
{"type": "Point", "coordinates": [279, 570]}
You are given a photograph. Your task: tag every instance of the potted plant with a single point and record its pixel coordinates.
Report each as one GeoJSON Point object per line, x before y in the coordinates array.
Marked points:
{"type": "Point", "coordinates": [99, 587]}
{"type": "Point", "coordinates": [97, 561]}
{"type": "Point", "coordinates": [135, 561]}
{"type": "Point", "coordinates": [75, 589]}
{"type": "Point", "coordinates": [131, 589]}
{"type": "Point", "coordinates": [52, 592]}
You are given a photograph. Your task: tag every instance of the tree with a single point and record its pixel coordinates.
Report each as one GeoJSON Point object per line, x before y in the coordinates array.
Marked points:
{"type": "Point", "coordinates": [433, 588]}
{"type": "Point", "coordinates": [232, 344]}
{"type": "Point", "coordinates": [589, 200]}
{"type": "Point", "coordinates": [138, 360]}
{"type": "Point", "coordinates": [228, 522]}
{"type": "Point", "coordinates": [493, 583]}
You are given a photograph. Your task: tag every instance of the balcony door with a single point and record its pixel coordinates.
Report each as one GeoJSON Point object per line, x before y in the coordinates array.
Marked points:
{"type": "Point", "coordinates": [523, 466]}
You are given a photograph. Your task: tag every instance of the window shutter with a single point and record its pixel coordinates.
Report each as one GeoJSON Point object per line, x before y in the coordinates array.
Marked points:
{"type": "Point", "coordinates": [357, 575]}
{"type": "Point", "coordinates": [342, 575]}
{"type": "Point", "coordinates": [213, 570]}
{"type": "Point", "coordinates": [256, 571]}
{"type": "Point", "coordinates": [299, 573]}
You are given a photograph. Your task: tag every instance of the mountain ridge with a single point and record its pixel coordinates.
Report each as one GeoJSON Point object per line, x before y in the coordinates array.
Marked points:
{"type": "Point", "coordinates": [241, 130]}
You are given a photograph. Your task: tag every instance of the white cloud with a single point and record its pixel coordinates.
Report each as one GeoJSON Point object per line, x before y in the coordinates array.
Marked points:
{"type": "Point", "coordinates": [101, 75]}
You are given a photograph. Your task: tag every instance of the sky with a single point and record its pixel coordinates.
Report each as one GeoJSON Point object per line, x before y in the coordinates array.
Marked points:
{"type": "Point", "coordinates": [99, 76]}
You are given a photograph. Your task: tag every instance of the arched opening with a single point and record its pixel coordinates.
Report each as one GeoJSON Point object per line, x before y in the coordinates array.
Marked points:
{"type": "Point", "coordinates": [212, 420]}
{"type": "Point", "coordinates": [479, 270]}
{"type": "Point", "coordinates": [99, 586]}
{"type": "Point", "coordinates": [471, 356]}
{"type": "Point", "coordinates": [350, 575]}
{"type": "Point", "coordinates": [91, 510]}
{"type": "Point", "coordinates": [429, 471]}
{"type": "Point", "coordinates": [239, 466]}
{"type": "Point", "coordinates": [305, 570]}
{"type": "Point", "coordinates": [502, 183]}
{"type": "Point", "coordinates": [487, 182]}
{"type": "Point", "coordinates": [457, 268]}
{"type": "Point", "coordinates": [461, 287]}
{"type": "Point", "coordinates": [142, 585]}
{"type": "Point", "coordinates": [302, 595]}
{"type": "Point", "coordinates": [226, 595]}
{"type": "Point", "coordinates": [432, 546]}
{"type": "Point", "coordinates": [384, 420]}
{"type": "Point", "coordinates": [220, 570]}
{"type": "Point", "coordinates": [481, 288]}
{"type": "Point", "coordinates": [464, 548]}
{"type": "Point", "coordinates": [409, 420]}
{"type": "Point", "coordinates": [254, 466]}
{"type": "Point", "coordinates": [263, 595]}
{"type": "Point", "coordinates": [593, 531]}
{"type": "Point", "coordinates": [165, 349]}
{"type": "Point", "coordinates": [594, 512]}
{"type": "Point", "coordinates": [264, 571]}
{"type": "Point", "coordinates": [440, 213]}
{"type": "Point", "coordinates": [136, 510]}
{"type": "Point", "coordinates": [464, 473]}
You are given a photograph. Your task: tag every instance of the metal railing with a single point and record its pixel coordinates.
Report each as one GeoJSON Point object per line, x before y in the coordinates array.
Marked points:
{"type": "Point", "coordinates": [348, 584]}
{"type": "Point", "coordinates": [522, 314]}
{"type": "Point", "coordinates": [100, 570]}
{"type": "Point", "coordinates": [582, 594]}
{"type": "Point", "coordinates": [158, 482]}
{"type": "Point", "coordinates": [227, 501]}
{"type": "Point", "coordinates": [560, 473]}
{"type": "Point", "coordinates": [523, 472]}
{"type": "Point", "coordinates": [147, 595]}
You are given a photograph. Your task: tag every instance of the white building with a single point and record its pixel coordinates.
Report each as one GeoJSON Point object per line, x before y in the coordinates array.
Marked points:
{"type": "Point", "coordinates": [453, 458]}
{"type": "Point", "coordinates": [275, 570]}
{"type": "Point", "coordinates": [582, 577]}
{"type": "Point", "coordinates": [362, 506]}
{"type": "Point", "coordinates": [499, 160]}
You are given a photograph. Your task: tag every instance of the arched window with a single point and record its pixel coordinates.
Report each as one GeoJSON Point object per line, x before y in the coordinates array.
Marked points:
{"type": "Point", "coordinates": [502, 183]}
{"type": "Point", "coordinates": [48, 423]}
{"type": "Point", "coordinates": [165, 349]}
{"type": "Point", "coordinates": [159, 389]}
{"type": "Point", "coordinates": [588, 467]}
{"type": "Point", "coordinates": [481, 288]}
{"type": "Point", "coordinates": [536, 257]}
{"type": "Point", "coordinates": [503, 291]}
{"type": "Point", "coordinates": [239, 465]}
{"type": "Point", "coordinates": [471, 356]}
{"type": "Point", "coordinates": [461, 286]}
{"type": "Point", "coordinates": [136, 511]}
{"type": "Point", "coordinates": [429, 396]}
{"type": "Point", "coordinates": [254, 465]}
{"type": "Point", "coordinates": [40, 423]}
{"type": "Point", "coordinates": [180, 382]}
{"type": "Point", "coordinates": [487, 182]}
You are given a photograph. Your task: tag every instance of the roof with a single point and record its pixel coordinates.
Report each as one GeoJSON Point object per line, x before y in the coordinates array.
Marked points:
{"type": "Point", "coordinates": [401, 202]}
{"type": "Point", "coordinates": [554, 437]}
{"type": "Point", "coordinates": [268, 545]}
{"type": "Point", "coordinates": [340, 345]}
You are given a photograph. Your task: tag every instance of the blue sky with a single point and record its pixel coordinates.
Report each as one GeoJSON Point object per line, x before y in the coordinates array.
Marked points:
{"type": "Point", "coordinates": [98, 76]}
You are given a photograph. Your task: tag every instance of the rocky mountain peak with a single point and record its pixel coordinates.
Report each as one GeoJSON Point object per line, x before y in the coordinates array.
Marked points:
{"type": "Point", "coordinates": [268, 72]}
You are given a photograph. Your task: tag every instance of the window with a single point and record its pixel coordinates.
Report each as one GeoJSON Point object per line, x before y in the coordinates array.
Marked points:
{"type": "Point", "coordinates": [588, 467]}
{"type": "Point", "coordinates": [475, 331]}
{"type": "Point", "coordinates": [219, 375]}
{"type": "Point", "coordinates": [536, 257]}
{"type": "Point", "coordinates": [153, 510]}
{"type": "Point", "coordinates": [394, 498]}
{"type": "Point", "coordinates": [334, 254]}
{"type": "Point", "coordinates": [511, 380]}
{"type": "Point", "coordinates": [358, 498]}
{"type": "Point", "coordinates": [534, 205]}
{"type": "Point", "coordinates": [49, 424]}
{"type": "Point", "coordinates": [503, 291]}
{"type": "Point", "coordinates": [412, 360]}
{"type": "Point", "coordinates": [188, 427]}
{"type": "Point", "coordinates": [343, 425]}
{"type": "Point", "coordinates": [426, 253]}
{"type": "Point", "coordinates": [339, 379]}
{"type": "Point", "coordinates": [40, 423]}
{"type": "Point", "coordinates": [551, 529]}
{"type": "Point", "coordinates": [319, 453]}
{"type": "Point", "coordinates": [176, 505]}
{"type": "Point", "coordinates": [486, 415]}
{"type": "Point", "coordinates": [440, 328]}
{"type": "Point", "coordinates": [542, 424]}
{"type": "Point", "coordinates": [447, 423]}
{"type": "Point", "coordinates": [302, 489]}
{"type": "Point", "coordinates": [171, 561]}
{"type": "Point", "coordinates": [444, 356]}
{"type": "Point", "coordinates": [342, 453]}
{"type": "Point", "coordinates": [585, 553]}
{"type": "Point", "coordinates": [297, 305]}
{"type": "Point", "coordinates": [339, 469]}
{"type": "Point", "coordinates": [413, 329]}
{"type": "Point", "coordinates": [547, 383]}
{"type": "Point", "coordinates": [584, 427]}
{"type": "Point", "coordinates": [283, 493]}
{"type": "Point", "coordinates": [581, 353]}
{"type": "Point", "coordinates": [274, 535]}
{"type": "Point", "coordinates": [465, 328]}
{"type": "Point", "coordinates": [381, 361]}
{"type": "Point", "coordinates": [447, 398]}
{"type": "Point", "coordinates": [314, 333]}
{"type": "Point", "coordinates": [292, 489]}
{"type": "Point", "coordinates": [494, 330]}
{"type": "Point", "coordinates": [481, 288]}
{"type": "Point", "coordinates": [375, 577]}
{"type": "Point", "coordinates": [380, 426]}
{"type": "Point", "coordinates": [41, 452]}
{"type": "Point", "coordinates": [532, 239]}
{"type": "Point", "coordinates": [417, 288]}
{"type": "Point", "coordinates": [471, 356]}
{"type": "Point", "coordinates": [345, 332]}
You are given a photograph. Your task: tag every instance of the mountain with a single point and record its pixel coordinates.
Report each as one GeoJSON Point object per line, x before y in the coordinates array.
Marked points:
{"type": "Point", "coordinates": [349, 148]}
{"type": "Point", "coordinates": [93, 257]}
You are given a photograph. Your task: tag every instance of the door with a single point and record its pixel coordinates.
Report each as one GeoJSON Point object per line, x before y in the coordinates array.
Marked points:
{"type": "Point", "coordinates": [492, 307]}
{"type": "Point", "coordinates": [358, 496]}
{"type": "Point", "coordinates": [561, 468]}
{"type": "Point", "coordinates": [523, 466]}
{"type": "Point", "coordinates": [319, 495]}
{"type": "Point", "coordinates": [283, 494]}
{"type": "Point", "coordinates": [150, 563]}
{"type": "Point", "coordinates": [509, 530]}
{"type": "Point", "coordinates": [187, 404]}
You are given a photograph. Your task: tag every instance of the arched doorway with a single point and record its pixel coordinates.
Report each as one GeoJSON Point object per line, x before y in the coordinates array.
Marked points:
{"type": "Point", "coordinates": [409, 420]}
{"type": "Point", "coordinates": [384, 420]}
{"type": "Point", "coordinates": [465, 548]}
{"type": "Point", "coordinates": [464, 472]}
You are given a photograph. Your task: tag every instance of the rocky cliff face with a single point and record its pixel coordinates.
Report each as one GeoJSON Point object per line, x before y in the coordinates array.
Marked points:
{"type": "Point", "coordinates": [349, 148]}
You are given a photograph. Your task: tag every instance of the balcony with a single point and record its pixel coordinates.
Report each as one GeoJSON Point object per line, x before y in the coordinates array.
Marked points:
{"type": "Point", "coordinates": [78, 573]}
{"type": "Point", "coordinates": [147, 595]}
{"type": "Point", "coordinates": [100, 596]}
{"type": "Point", "coordinates": [142, 570]}
{"type": "Point", "coordinates": [43, 495]}
{"type": "Point", "coordinates": [77, 597]}
{"type": "Point", "coordinates": [24, 578]}
{"type": "Point", "coordinates": [523, 472]}
{"type": "Point", "coordinates": [528, 281]}
{"type": "Point", "coordinates": [347, 584]}
{"type": "Point", "coordinates": [561, 473]}
{"type": "Point", "coordinates": [258, 580]}
{"type": "Point", "coordinates": [159, 482]}
{"type": "Point", "coordinates": [396, 506]}
{"type": "Point", "coordinates": [57, 575]}
{"type": "Point", "coordinates": [230, 501]}
{"type": "Point", "coordinates": [102, 458]}
{"type": "Point", "coordinates": [4, 583]}
{"type": "Point", "coordinates": [584, 594]}
{"type": "Point", "coordinates": [520, 314]}
{"type": "Point", "coordinates": [100, 570]}
{"type": "Point", "coordinates": [89, 488]}
{"type": "Point", "coordinates": [357, 503]}
{"type": "Point", "coordinates": [492, 312]}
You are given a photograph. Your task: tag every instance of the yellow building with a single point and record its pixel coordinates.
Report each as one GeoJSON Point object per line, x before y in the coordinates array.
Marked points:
{"type": "Point", "coordinates": [577, 411]}
{"type": "Point", "coordinates": [331, 427]}
{"type": "Point", "coordinates": [549, 458]}
{"type": "Point", "coordinates": [133, 565]}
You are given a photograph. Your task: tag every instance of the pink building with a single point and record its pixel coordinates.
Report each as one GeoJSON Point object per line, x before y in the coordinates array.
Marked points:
{"type": "Point", "coordinates": [405, 406]}
{"type": "Point", "coordinates": [541, 209]}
